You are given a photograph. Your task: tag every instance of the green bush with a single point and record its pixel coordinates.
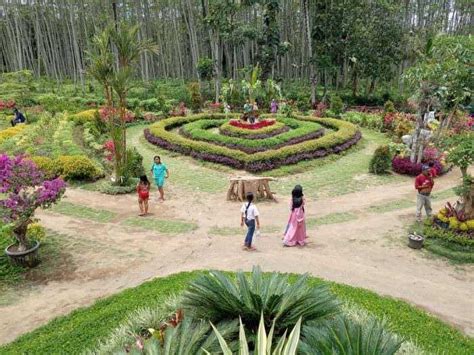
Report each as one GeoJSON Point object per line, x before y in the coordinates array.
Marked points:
{"type": "Point", "coordinates": [195, 94]}
{"type": "Point", "coordinates": [388, 107]}
{"type": "Point", "coordinates": [381, 160]}
{"type": "Point", "coordinates": [46, 165]}
{"type": "Point", "coordinates": [84, 116]}
{"type": "Point", "coordinates": [36, 231]}
{"type": "Point", "coordinates": [134, 163]}
{"type": "Point", "coordinates": [107, 187]}
{"type": "Point", "coordinates": [367, 120]}
{"type": "Point", "coordinates": [77, 167]}
{"type": "Point", "coordinates": [336, 105]}
{"type": "Point", "coordinates": [151, 105]}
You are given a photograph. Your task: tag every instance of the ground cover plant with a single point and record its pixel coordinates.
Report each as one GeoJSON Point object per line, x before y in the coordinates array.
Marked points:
{"type": "Point", "coordinates": [344, 136]}
{"type": "Point", "coordinates": [83, 328]}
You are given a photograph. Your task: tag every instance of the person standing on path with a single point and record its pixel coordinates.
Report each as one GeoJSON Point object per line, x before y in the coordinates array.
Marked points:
{"type": "Point", "coordinates": [143, 191]}
{"type": "Point", "coordinates": [250, 216]}
{"type": "Point", "coordinates": [424, 184]}
{"type": "Point", "coordinates": [159, 172]}
{"type": "Point", "coordinates": [295, 233]}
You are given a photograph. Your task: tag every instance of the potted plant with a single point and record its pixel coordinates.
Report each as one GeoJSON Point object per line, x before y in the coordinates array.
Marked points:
{"type": "Point", "coordinates": [24, 189]}
{"type": "Point", "coordinates": [415, 241]}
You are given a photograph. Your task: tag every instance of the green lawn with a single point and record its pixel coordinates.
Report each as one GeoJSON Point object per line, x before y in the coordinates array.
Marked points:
{"type": "Point", "coordinates": [332, 218]}
{"type": "Point", "coordinates": [79, 211]}
{"type": "Point", "coordinates": [81, 329]}
{"type": "Point", "coordinates": [160, 225]}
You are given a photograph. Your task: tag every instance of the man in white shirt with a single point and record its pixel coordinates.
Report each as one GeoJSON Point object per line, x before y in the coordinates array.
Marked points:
{"type": "Point", "coordinates": [249, 215]}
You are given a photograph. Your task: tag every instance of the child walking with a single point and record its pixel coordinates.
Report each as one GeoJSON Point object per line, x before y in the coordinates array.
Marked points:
{"type": "Point", "coordinates": [143, 191]}
{"type": "Point", "coordinates": [295, 233]}
{"type": "Point", "coordinates": [159, 172]}
{"type": "Point", "coordinates": [249, 215]}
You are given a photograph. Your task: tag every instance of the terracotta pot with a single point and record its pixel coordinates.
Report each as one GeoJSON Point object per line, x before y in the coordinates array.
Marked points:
{"type": "Point", "coordinates": [27, 258]}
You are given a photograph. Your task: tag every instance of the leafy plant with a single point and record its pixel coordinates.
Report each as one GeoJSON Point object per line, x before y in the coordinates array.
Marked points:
{"type": "Point", "coordinates": [381, 160]}
{"type": "Point", "coordinates": [336, 105]}
{"type": "Point", "coordinates": [135, 163]}
{"type": "Point", "coordinates": [263, 343]}
{"type": "Point", "coordinates": [24, 190]}
{"type": "Point", "coordinates": [344, 336]}
{"type": "Point", "coordinates": [77, 167]}
{"type": "Point", "coordinates": [217, 297]}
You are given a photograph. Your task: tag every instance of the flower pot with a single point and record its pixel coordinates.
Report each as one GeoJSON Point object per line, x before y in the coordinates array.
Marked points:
{"type": "Point", "coordinates": [27, 258]}
{"type": "Point", "coordinates": [415, 241]}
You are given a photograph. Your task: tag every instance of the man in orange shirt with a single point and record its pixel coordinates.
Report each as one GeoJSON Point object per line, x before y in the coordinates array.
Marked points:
{"type": "Point", "coordinates": [424, 184]}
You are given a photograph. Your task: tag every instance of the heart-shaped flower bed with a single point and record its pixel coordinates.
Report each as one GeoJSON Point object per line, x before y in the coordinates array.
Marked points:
{"type": "Point", "coordinates": [257, 125]}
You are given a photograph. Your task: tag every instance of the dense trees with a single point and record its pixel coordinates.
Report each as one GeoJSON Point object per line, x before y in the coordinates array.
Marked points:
{"type": "Point", "coordinates": [342, 43]}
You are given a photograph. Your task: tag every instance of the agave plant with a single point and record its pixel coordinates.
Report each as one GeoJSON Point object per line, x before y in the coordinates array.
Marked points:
{"type": "Point", "coordinates": [342, 335]}
{"type": "Point", "coordinates": [263, 343]}
{"type": "Point", "coordinates": [217, 297]}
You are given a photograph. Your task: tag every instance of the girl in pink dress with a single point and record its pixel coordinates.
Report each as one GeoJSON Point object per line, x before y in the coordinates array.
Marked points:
{"type": "Point", "coordinates": [295, 233]}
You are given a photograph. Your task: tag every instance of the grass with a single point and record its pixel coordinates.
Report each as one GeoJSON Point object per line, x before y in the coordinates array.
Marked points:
{"type": "Point", "coordinates": [233, 231]}
{"type": "Point", "coordinates": [80, 330]}
{"type": "Point", "coordinates": [391, 206]}
{"type": "Point", "coordinates": [160, 225]}
{"type": "Point", "coordinates": [443, 195]}
{"type": "Point", "coordinates": [54, 263]}
{"type": "Point", "coordinates": [79, 211]}
{"type": "Point", "coordinates": [332, 218]}
{"type": "Point", "coordinates": [341, 174]}
{"type": "Point", "coordinates": [462, 254]}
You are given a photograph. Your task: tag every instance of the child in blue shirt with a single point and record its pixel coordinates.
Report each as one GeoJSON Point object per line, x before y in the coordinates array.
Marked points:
{"type": "Point", "coordinates": [159, 172]}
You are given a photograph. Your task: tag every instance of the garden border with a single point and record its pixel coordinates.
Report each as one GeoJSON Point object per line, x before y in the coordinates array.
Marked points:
{"type": "Point", "coordinates": [346, 135]}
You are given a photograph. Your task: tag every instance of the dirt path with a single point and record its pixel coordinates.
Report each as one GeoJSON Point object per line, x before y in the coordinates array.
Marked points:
{"type": "Point", "coordinates": [366, 252]}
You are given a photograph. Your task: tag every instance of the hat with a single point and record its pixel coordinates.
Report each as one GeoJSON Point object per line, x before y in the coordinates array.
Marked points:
{"type": "Point", "coordinates": [425, 167]}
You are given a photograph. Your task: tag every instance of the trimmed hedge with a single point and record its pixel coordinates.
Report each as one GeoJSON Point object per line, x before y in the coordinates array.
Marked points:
{"type": "Point", "coordinates": [265, 132]}
{"type": "Point", "coordinates": [346, 134]}
{"type": "Point", "coordinates": [199, 130]}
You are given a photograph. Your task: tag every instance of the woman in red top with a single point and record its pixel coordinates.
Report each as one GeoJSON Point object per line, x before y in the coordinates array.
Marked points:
{"type": "Point", "coordinates": [143, 191]}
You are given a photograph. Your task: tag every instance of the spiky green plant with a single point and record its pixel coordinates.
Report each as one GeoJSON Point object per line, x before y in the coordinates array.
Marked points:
{"type": "Point", "coordinates": [217, 297]}
{"type": "Point", "coordinates": [263, 343]}
{"type": "Point", "coordinates": [341, 335]}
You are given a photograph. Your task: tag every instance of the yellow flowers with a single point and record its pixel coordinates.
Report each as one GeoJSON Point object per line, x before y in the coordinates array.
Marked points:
{"type": "Point", "coordinates": [11, 132]}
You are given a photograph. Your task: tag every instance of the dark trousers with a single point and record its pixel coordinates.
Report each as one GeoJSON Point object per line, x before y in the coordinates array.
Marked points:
{"type": "Point", "coordinates": [250, 231]}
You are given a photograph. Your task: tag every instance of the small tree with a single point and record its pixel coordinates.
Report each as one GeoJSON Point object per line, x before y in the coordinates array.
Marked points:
{"type": "Point", "coordinates": [24, 190]}
{"type": "Point", "coordinates": [461, 154]}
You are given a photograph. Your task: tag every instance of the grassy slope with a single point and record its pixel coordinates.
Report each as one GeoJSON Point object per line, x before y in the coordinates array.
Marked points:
{"type": "Point", "coordinates": [84, 327]}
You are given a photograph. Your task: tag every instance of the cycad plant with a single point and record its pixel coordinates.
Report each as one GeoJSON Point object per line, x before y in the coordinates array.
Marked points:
{"type": "Point", "coordinates": [342, 335]}
{"type": "Point", "coordinates": [217, 297]}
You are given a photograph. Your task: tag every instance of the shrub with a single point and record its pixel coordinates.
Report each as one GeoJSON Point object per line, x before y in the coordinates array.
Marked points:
{"type": "Point", "coordinates": [257, 125]}
{"type": "Point", "coordinates": [381, 160]}
{"type": "Point", "coordinates": [345, 135]}
{"type": "Point", "coordinates": [134, 163]}
{"type": "Point", "coordinates": [36, 231]}
{"type": "Point", "coordinates": [403, 165]}
{"type": "Point", "coordinates": [151, 105]}
{"type": "Point", "coordinates": [84, 116]}
{"type": "Point", "coordinates": [336, 105]}
{"type": "Point", "coordinates": [367, 120]}
{"type": "Point", "coordinates": [77, 167]}
{"type": "Point", "coordinates": [195, 94]}
{"type": "Point", "coordinates": [11, 131]}
{"type": "Point", "coordinates": [107, 187]}
{"type": "Point", "coordinates": [388, 107]}
{"type": "Point", "coordinates": [46, 165]}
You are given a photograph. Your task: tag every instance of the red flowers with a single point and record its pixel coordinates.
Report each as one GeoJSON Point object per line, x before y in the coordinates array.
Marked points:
{"type": "Point", "coordinates": [107, 113]}
{"type": "Point", "coordinates": [258, 125]}
{"type": "Point", "coordinates": [7, 104]}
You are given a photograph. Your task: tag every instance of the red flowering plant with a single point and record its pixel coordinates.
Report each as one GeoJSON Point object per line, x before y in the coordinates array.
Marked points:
{"type": "Point", "coordinates": [108, 113]}
{"type": "Point", "coordinates": [109, 148]}
{"type": "Point", "coordinates": [320, 110]}
{"type": "Point", "coordinates": [7, 104]}
{"type": "Point", "coordinates": [24, 189]}
{"type": "Point", "coordinates": [257, 125]}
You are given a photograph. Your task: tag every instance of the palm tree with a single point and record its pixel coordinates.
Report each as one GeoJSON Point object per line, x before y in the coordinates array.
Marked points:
{"type": "Point", "coordinates": [116, 52]}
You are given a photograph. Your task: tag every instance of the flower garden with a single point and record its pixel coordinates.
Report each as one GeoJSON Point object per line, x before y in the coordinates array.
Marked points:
{"type": "Point", "coordinates": [81, 271]}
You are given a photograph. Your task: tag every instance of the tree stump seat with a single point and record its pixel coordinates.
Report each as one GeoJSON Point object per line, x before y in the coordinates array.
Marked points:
{"type": "Point", "coordinates": [241, 185]}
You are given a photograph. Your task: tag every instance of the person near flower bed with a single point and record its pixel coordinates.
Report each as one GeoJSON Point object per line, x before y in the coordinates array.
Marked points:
{"type": "Point", "coordinates": [424, 184]}
{"type": "Point", "coordinates": [143, 191]}
{"type": "Point", "coordinates": [19, 118]}
{"type": "Point", "coordinates": [250, 216]}
{"type": "Point", "coordinates": [295, 233]}
{"type": "Point", "coordinates": [159, 172]}
{"type": "Point", "coordinates": [273, 107]}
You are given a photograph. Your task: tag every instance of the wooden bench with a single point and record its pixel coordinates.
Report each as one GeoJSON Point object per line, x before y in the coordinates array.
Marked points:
{"type": "Point", "coordinates": [241, 185]}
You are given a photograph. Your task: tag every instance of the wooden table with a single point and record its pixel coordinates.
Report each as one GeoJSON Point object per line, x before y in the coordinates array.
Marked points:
{"type": "Point", "coordinates": [241, 185]}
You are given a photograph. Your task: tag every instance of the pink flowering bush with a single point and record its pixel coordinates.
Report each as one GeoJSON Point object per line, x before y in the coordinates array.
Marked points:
{"type": "Point", "coordinates": [107, 113]}
{"type": "Point", "coordinates": [109, 148]}
{"type": "Point", "coordinates": [23, 190]}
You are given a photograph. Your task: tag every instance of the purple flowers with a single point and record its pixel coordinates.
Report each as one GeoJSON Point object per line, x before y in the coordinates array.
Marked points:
{"type": "Point", "coordinates": [26, 190]}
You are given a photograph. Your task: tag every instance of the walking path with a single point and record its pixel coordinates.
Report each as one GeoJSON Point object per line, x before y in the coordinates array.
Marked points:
{"type": "Point", "coordinates": [364, 245]}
